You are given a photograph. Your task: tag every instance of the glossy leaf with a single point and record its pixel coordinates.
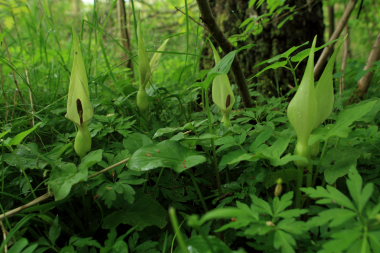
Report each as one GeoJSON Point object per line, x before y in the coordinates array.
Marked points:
{"type": "Point", "coordinates": [167, 154]}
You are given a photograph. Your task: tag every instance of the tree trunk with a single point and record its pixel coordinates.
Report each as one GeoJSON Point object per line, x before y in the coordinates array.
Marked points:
{"type": "Point", "coordinates": [124, 34]}
{"type": "Point", "coordinates": [306, 23]}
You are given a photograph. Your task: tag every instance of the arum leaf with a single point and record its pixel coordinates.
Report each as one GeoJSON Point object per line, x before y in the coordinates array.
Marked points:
{"type": "Point", "coordinates": [79, 108]}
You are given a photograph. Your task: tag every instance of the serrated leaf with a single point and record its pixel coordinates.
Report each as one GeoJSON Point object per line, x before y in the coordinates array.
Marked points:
{"type": "Point", "coordinates": [329, 195]}
{"type": "Point", "coordinates": [261, 205]}
{"type": "Point", "coordinates": [359, 195]}
{"type": "Point", "coordinates": [333, 217]}
{"type": "Point", "coordinates": [280, 204]}
{"type": "Point", "coordinates": [284, 241]}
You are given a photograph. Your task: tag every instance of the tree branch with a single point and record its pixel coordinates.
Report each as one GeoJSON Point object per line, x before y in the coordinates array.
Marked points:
{"type": "Point", "coordinates": [209, 21]}
{"type": "Point", "coordinates": [328, 50]}
{"type": "Point", "coordinates": [365, 81]}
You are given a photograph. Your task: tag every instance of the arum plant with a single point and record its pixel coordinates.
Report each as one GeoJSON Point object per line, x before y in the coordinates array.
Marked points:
{"type": "Point", "coordinates": [310, 106]}
{"type": "Point", "coordinates": [222, 94]}
{"type": "Point", "coordinates": [146, 68]}
{"type": "Point", "coordinates": [79, 108]}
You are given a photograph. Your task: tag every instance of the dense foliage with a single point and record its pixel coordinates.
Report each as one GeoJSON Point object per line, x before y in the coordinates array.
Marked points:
{"type": "Point", "coordinates": [171, 160]}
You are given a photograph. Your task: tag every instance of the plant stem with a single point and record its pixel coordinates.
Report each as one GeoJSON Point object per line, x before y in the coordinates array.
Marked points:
{"type": "Point", "coordinates": [298, 186]}
{"type": "Point", "coordinates": [180, 238]}
{"type": "Point", "coordinates": [309, 178]}
{"type": "Point", "coordinates": [214, 158]}
{"type": "Point", "coordinates": [200, 195]}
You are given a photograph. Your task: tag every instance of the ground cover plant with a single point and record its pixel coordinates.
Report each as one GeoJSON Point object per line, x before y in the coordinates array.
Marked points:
{"type": "Point", "coordinates": [189, 126]}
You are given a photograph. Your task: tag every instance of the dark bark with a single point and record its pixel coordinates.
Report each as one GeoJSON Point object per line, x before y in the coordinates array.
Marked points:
{"type": "Point", "coordinates": [209, 20]}
{"type": "Point", "coordinates": [122, 15]}
{"type": "Point", "coordinates": [307, 22]}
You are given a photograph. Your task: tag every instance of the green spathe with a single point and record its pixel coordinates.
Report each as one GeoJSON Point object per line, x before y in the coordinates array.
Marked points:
{"type": "Point", "coordinates": [222, 94]}
{"type": "Point", "coordinates": [312, 104]}
{"type": "Point", "coordinates": [79, 108]}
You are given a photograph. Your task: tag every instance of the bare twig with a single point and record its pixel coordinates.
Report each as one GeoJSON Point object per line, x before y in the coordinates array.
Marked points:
{"type": "Point", "coordinates": [365, 81]}
{"type": "Point", "coordinates": [193, 19]}
{"type": "Point", "coordinates": [30, 204]}
{"type": "Point", "coordinates": [345, 55]}
{"type": "Point", "coordinates": [328, 50]}
{"type": "Point", "coordinates": [109, 168]}
{"type": "Point", "coordinates": [209, 20]}
{"type": "Point", "coordinates": [5, 234]}
{"type": "Point", "coordinates": [49, 194]}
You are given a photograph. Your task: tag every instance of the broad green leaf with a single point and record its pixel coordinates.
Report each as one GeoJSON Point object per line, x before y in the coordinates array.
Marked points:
{"type": "Point", "coordinates": [20, 137]}
{"type": "Point", "coordinates": [234, 157]}
{"type": "Point", "coordinates": [65, 175]}
{"type": "Point", "coordinates": [145, 212]}
{"type": "Point", "coordinates": [79, 108]}
{"type": "Point", "coordinates": [25, 157]}
{"type": "Point", "coordinates": [338, 162]}
{"type": "Point", "coordinates": [168, 154]}
{"type": "Point", "coordinates": [135, 141]}
{"type": "Point", "coordinates": [223, 67]}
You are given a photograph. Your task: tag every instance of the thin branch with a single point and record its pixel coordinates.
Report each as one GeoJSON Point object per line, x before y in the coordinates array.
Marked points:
{"type": "Point", "coordinates": [49, 194]}
{"type": "Point", "coordinates": [345, 55]}
{"type": "Point", "coordinates": [193, 19]}
{"type": "Point", "coordinates": [209, 20]}
{"type": "Point", "coordinates": [365, 81]}
{"type": "Point", "coordinates": [109, 168]}
{"type": "Point", "coordinates": [328, 50]}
